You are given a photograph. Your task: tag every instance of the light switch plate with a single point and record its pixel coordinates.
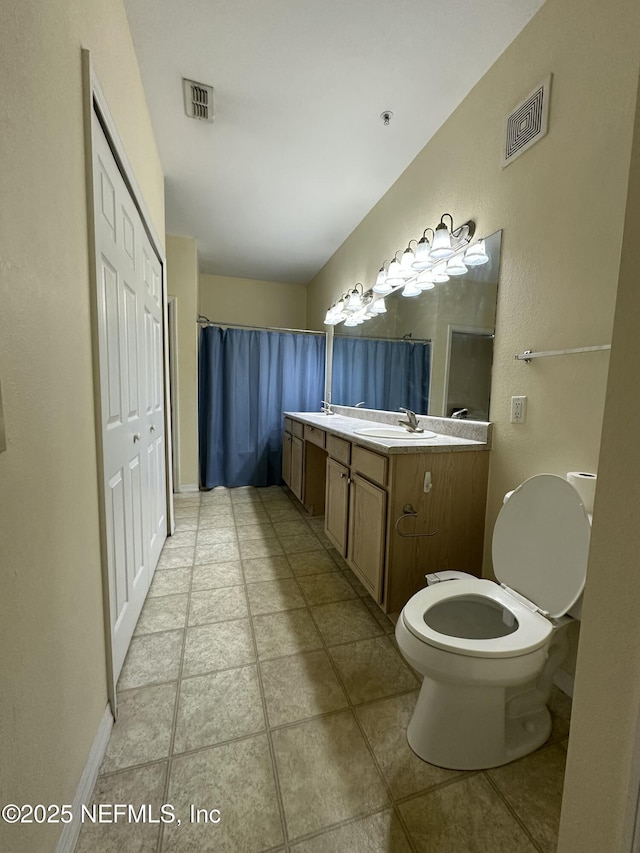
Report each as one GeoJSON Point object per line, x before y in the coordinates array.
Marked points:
{"type": "Point", "coordinates": [3, 437]}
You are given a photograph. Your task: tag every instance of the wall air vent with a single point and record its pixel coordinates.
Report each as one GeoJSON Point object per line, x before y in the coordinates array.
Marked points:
{"type": "Point", "coordinates": [527, 123]}
{"type": "Point", "coordinates": [198, 100]}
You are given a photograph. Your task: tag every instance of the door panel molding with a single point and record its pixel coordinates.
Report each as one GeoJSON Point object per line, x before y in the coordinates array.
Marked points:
{"type": "Point", "coordinates": [132, 397]}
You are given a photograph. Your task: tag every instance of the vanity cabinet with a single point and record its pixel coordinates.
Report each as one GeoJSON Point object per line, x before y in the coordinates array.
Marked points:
{"type": "Point", "coordinates": [388, 520]}
{"type": "Point", "coordinates": [356, 510]}
{"type": "Point", "coordinates": [367, 530]}
{"type": "Point", "coordinates": [336, 508]}
{"type": "Point", "coordinates": [378, 515]}
{"type": "Point", "coordinates": [286, 457]}
{"type": "Point", "coordinates": [297, 448]}
{"type": "Point", "coordinates": [292, 456]}
{"type": "Point", "coordinates": [303, 463]}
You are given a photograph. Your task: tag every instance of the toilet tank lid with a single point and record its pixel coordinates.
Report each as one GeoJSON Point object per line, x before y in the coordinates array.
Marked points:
{"type": "Point", "coordinates": [541, 543]}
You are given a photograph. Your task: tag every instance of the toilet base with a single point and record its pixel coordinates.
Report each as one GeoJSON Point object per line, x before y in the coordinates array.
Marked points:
{"type": "Point", "coordinates": [474, 728]}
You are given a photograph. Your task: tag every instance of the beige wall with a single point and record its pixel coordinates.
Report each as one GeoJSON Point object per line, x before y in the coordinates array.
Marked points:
{"type": "Point", "coordinates": [601, 785]}
{"type": "Point", "coordinates": [182, 283]}
{"type": "Point", "coordinates": [52, 664]}
{"type": "Point", "coordinates": [246, 301]}
{"type": "Point", "coordinates": [561, 206]}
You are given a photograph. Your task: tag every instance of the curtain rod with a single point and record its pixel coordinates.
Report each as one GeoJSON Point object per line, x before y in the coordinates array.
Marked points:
{"type": "Point", "coordinates": [205, 321]}
{"type": "Point", "coordinates": [400, 340]}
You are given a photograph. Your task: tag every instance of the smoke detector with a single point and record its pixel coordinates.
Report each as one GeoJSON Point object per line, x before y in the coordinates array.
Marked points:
{"type": "Point", "coordinates": [198, 100]}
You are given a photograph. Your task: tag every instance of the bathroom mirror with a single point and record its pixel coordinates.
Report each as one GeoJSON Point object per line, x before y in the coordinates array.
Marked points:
{"type": "Point", "coordinates": [431, 353]}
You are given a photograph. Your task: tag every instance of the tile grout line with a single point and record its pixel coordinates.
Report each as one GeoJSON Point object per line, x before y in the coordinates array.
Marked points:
{"type": "Point", "coordinates": [512, 811]}
{"type": "Point", "coordinates": [352, 707]}
{"type": "Point", "coordinates": [294, 723]}
{"type": "Point", "coordinates": [178, 687]}
{"type": "Point", "coordinates": [272, 754]}
{"type": "Point", "coordinates": [270, 729]}
{"type": "Point", "coordinates": [368, 746]}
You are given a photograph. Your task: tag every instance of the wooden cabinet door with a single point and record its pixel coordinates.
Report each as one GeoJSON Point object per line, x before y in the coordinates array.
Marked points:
{"type": "Point", "coordinates": [295, 482]}
{"type": "Point", "coordinates": [286, 458]}
{"type": "Point", "coordinates": [336, 507]}
{"type": "Point", "coordinates": [367, 524]}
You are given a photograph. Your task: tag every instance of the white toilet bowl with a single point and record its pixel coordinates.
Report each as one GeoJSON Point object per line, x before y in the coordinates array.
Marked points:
{"type": "Point", "coordinates": [488, 651]}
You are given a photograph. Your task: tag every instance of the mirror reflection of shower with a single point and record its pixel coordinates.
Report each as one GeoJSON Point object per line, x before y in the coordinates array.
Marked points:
{"type": "Point", "coordinates": [439, 351]}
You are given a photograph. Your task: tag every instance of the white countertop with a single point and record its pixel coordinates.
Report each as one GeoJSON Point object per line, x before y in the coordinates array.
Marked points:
{"type": "Point", "coordinates": [345, 427]}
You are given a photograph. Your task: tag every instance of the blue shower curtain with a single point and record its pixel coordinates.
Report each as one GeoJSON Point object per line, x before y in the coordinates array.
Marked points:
{"type": "Point", "coordinates": [385, 374]}
{"type": "Point", "coordinates": [247, 378]}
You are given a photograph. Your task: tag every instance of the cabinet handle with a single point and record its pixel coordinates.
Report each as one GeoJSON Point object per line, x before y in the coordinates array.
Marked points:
{"type": "Point", "coordinates": [342, 476]}
{"type": "Point", "coordinates": [350, 481]}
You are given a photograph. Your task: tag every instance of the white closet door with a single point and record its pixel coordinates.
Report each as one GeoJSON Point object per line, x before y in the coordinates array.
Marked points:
{"type": "Point", "coordinates": [154, 401]}
{"type": "Point", "coordinates": [130, 348]}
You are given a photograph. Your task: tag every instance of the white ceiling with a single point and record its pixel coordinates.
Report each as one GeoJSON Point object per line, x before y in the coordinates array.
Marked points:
{"type": "Point", "coordinates": [298, 154]}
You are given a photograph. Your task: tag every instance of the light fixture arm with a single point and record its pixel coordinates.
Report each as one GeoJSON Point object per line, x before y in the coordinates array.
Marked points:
{"type": "Point", "coordinates": [456, 232]}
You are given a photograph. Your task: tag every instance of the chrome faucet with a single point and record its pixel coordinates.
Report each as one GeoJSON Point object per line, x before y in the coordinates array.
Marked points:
{"type": "Point", "coordinates": [412, 421]}
{"type": "Point", "coordinates": [460, 414]}
{"type": "Point", "coordinates": [326, 408]}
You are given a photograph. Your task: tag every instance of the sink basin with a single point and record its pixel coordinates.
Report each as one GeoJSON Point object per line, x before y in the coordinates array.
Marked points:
{"type": "Point", "coordinates": [394, 432]}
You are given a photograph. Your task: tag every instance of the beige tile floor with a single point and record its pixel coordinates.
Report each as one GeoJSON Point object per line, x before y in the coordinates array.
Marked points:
{"type": "Point", "coordinates": [262, 681]}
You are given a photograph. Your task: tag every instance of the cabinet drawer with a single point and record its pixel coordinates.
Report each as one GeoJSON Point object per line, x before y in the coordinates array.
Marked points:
{"type": "Point", "coordinates": [288, 425]}
{"type": "Point", "coordinates": [371, 465]}
{"type": "Point", "coordinates": [314, 434]}
{"type": "Point", "coordinates": [339, 449]}
{"type": "Point", "coordinates": [297, 428]}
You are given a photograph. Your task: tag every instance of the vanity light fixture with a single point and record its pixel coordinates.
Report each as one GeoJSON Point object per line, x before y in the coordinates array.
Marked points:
{"type": "Point", "coordinates": [441, 246]}
{"type": "Point", "coordinates": [354, 302]}
{"type": "Point", "coordinates": [439, 273]}
{"type": "Point", "coordinates": [396, 274]}
{"type": "Point", "coordinates": [411, 288]}
{"type": "Point", "coordinates": [433, 262]}
{"type": "Point", "coordinates": [425, 280]}
{"type": "Point", "coordinates": [407, 260]}
{"type": "Point", "coordinates": [334, 316]}
{"type": "Point", "coordinates": [446, 242]}
{"type": "Point", "coordinates": [456, 266]}
{"type": "Point", "coordinates": [422, 260]}
{"type": "Point", "coordinates": [382, 285]}
{"type": "Point", "coordinates": [476, 255]}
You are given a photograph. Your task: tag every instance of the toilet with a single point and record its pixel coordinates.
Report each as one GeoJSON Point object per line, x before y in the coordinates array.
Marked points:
{"type": "Point", "coordinates": [488, 651]}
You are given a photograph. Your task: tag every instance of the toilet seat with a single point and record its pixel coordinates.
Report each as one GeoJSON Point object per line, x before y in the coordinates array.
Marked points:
{"type": "Point", "coordinates": [532, 632]}
{"type": "Point", "coordinates": [540, 543]}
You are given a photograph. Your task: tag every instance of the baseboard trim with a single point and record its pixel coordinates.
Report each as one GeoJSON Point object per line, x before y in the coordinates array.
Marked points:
{"type": "Point", "coordinates": [188, 487]}
{"type": "Point", "coordinates": [564, 681]}
{"type": "Point", "coordinates": [71, 831]}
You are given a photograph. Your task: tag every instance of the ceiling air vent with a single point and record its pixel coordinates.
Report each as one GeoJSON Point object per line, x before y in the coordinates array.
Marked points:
{"type": "Point", "coordinates": [527, 123]}
{"type": "Point", "coordinates": [198, 100]}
